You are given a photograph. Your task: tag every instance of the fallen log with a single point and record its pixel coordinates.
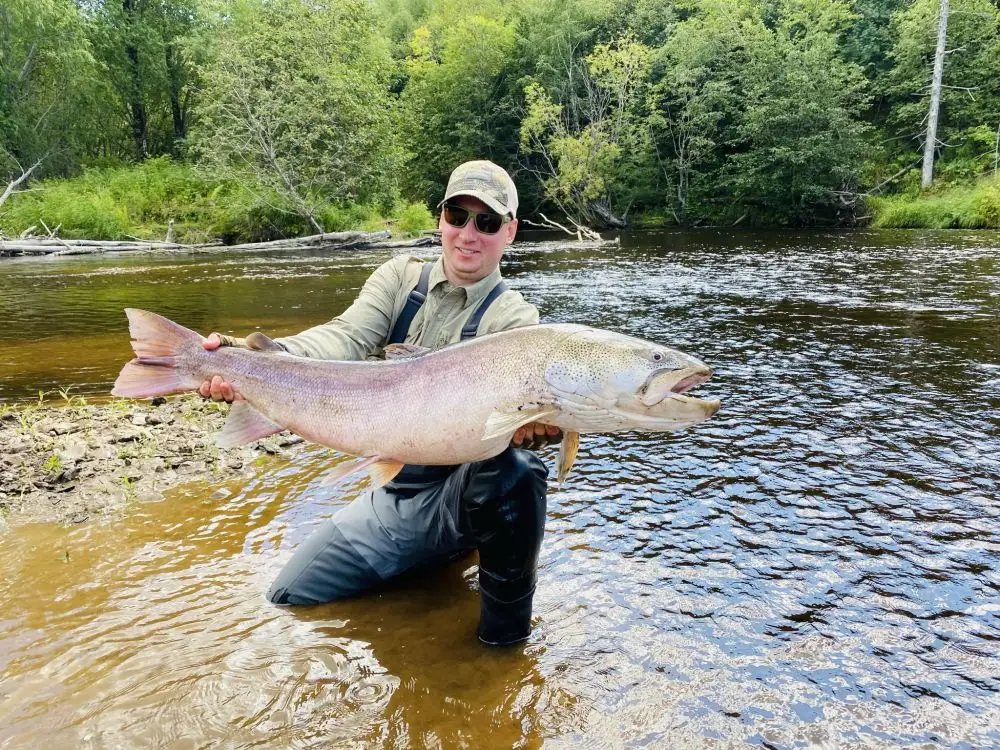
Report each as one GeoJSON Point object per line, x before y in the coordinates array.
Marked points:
{"type": "Point", "coordinates": [331, 240]}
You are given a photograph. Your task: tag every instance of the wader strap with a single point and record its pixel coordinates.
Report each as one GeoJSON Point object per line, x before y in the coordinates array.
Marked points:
{"type": "Point", "coordinates": [413, 303]}
{"type": "Point", "coordinates": [470, 329]}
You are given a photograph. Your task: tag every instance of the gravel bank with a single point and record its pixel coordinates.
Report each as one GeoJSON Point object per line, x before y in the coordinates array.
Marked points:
{"type": "Point", "coordinates": [76, 462]}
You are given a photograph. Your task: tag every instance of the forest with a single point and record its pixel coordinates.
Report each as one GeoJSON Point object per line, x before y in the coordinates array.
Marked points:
{"type": "Point", "coordinates": [256, 119]}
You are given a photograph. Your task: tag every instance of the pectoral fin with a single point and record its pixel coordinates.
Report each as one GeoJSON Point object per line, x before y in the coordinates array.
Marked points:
{"type": "Point", "coordinates": [405, 351]}
{"type": "Point", "coordinates": [244, 425]}
{"type": "Point", "coordinates": [567, 454]}
{"type": "Point", "coordinates": [380, 471]}
{"type": "Point", "coordinates": [503, 423]}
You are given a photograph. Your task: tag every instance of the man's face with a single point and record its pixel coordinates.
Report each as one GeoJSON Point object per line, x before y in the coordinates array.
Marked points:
{"type": "Point", "coordinates": [470, 256]}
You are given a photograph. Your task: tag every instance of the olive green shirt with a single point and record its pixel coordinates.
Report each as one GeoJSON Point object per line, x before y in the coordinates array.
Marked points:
{"type": "Point", "coordinates": [365, 326]}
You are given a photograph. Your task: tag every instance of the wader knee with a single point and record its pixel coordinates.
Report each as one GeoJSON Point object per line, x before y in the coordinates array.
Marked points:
{"type": "Point", "coordinates": [505, 509]}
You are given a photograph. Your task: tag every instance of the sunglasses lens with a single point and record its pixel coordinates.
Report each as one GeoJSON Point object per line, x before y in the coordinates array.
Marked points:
{"type": "Point", "coordinates": [486, 222]}
{"type": "Point", "coordinates": [456, 215]}
{"type": "Point", "coordinates": [489, 223]}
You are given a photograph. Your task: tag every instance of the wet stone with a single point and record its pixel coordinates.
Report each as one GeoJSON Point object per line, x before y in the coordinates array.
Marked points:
{"type": "Point", "coordinates": [149, 496]}
{"type": "Point", "coordinates": [74, 450]}
{"type": "Point", "coordinates": [63, 428]}
{"type": "Point", "coordinates": [127, 436]}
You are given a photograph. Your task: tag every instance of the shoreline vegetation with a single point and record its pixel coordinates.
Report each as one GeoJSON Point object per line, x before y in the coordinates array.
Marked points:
{"type": "Point", "coordinates": [196, 121]}
{"type": "Point", "coordinates": [161, 205]}
{"type": "Point", "coordinates": [72, 462]}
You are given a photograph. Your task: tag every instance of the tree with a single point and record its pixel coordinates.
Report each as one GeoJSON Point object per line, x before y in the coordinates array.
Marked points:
{"type": "Point", "coordinates": [930, 142]}
{"type": "Point", "coordinates": [49, 88]}
{"type": "Point", "coordinates": [694, 95]}
{"type": "Point", "coordinates": [455, 105]}
{"type": "Point", "coordinates": [142, 47]}
{"type": "Point", "coordinates": [296, 103]}
{"type": "Point", "coordinates": [588, 163]}
{"type": "Point", "coordinates": [798, 140]}
{"type": "Point", "coordinates": [969, 89]}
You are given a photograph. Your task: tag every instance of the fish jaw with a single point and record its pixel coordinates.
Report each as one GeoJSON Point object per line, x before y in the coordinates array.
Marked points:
{"type": "Point", "coordinates": [663, 383]}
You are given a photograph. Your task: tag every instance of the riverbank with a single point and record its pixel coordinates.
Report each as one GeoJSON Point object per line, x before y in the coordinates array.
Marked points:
{"type": "Point", "coordinates": [964, 206]}
{"type": "Point", "coordinates": [162, 200]}
{"type": "Point", "coordinates": [79, 462]}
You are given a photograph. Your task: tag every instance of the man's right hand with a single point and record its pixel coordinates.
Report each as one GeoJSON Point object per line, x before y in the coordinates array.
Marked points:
{"type": "Point", "coordinates": [216, 389]}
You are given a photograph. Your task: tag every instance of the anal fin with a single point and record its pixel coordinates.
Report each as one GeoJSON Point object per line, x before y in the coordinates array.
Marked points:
{"type": "Point", "coordinates": [244, 425]}
{"type": "Point", "coordinates": [567, 454]}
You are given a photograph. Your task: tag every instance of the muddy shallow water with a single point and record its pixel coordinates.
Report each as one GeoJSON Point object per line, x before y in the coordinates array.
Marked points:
{"type": "Point", "coordinates": [817, 565]}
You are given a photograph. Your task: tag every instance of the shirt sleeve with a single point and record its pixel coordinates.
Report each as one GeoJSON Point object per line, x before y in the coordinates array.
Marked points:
{"type": "Point", "coordinates": [361, 328]}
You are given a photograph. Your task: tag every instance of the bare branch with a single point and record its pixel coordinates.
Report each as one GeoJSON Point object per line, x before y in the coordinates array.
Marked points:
{"type": "Point", "coordinates": [12, 187]}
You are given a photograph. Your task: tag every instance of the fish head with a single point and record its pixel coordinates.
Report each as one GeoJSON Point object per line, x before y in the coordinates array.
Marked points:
{"type": "Point", "coordinates": [604, 381]}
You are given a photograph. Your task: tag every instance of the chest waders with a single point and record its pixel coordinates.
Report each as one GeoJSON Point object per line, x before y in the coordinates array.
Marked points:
{"type": "Point", "coordinates": [430, 513]}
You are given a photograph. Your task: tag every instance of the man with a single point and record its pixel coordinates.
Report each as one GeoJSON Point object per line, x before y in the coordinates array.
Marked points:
{"type": "Point", "coordinates": [432, 513]}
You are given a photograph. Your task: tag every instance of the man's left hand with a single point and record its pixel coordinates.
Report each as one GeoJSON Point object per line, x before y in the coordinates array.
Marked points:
{"type": "Point", "coordinates": [535, 435]}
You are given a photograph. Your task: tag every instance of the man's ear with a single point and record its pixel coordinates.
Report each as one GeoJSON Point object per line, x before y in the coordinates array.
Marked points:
{"type": "Point", "coordinates": [511, 230]}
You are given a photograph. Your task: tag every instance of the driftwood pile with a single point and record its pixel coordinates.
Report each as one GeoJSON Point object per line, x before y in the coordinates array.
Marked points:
{"type": "Point", "coordinates": [55, 246]}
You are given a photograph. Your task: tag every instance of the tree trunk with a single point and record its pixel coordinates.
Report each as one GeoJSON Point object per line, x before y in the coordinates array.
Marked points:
{"type": "Point", "coordinates": [177, 109]}
{"type": "Point", "coordinates": [930, 144]}
{"type": "Point", "coordinates": [136, 107]}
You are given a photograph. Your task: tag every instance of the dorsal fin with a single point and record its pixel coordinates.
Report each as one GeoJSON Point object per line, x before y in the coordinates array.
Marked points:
{"type": "Point", "coordinates": [261, 343]}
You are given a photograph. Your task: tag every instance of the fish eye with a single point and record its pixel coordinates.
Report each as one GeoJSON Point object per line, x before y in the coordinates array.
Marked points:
{"type": "Point", "coordinates": [657, 357]}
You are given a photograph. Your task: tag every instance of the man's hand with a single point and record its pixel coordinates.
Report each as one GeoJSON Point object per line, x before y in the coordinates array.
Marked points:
{"type": "Point", "coordinates": [216, 389]}
{"type": "Point", "coordinates": [535, 435]}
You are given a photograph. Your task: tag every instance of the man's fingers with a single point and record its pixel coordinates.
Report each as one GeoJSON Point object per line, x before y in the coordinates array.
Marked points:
{"type": "Point", "coordinates": [518, 436]}
{"type": "Point", "coordinates": [212, 341]}
{"type": "Point", "coordinates": [206, 389]}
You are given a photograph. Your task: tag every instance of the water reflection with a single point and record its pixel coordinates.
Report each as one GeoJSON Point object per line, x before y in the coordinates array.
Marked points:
{"type": "Point", "coordinates": [816, 566]}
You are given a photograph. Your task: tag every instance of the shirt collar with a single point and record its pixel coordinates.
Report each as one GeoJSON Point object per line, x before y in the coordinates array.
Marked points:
{"type": "Point", "coordinates": [474, 293]}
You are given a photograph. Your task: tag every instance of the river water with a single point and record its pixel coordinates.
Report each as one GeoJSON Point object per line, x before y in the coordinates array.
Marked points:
{"type": "Point", "coordinates": [816, 566]}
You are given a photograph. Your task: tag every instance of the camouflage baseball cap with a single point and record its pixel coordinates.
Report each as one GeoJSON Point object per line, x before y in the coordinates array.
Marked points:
{"type": "Point", "coordinates": [486, 181]}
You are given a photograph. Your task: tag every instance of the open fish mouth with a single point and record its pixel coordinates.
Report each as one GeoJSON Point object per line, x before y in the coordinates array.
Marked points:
{"type": "Point", "coordinates": [665, 383]}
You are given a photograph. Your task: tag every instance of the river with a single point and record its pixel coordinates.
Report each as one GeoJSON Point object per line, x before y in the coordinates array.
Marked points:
{"type": "Point", "coordinates": [816, 566]}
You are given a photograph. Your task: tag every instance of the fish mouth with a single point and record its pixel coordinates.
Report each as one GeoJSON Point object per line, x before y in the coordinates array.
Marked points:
{"type": "Point", "coordinates": [671, 383]}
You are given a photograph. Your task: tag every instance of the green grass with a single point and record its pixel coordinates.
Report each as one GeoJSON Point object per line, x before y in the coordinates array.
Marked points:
{"type": "Point", "coordinates": [115, 203]}
{"type": "Point", "coordinates": [963, 206]}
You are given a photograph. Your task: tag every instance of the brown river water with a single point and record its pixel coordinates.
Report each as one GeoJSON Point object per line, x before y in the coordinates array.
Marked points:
{"type": "Point", "coordinates": [817, 566]}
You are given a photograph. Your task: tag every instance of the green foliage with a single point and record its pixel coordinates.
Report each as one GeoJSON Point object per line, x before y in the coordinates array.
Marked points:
{"type": "Point", "coordinates": [414, 218]}
{"type": "Point", "coordinates": [800, 134]}
{"type": "Point", "coordinates": [452, 106]}
{"type": "Point", "coordinates": [970, 99]}
{"type": "Point", "coordinates": [294, 116]}
{"type": "Point", "coordinates": [50, 90]}
{"type": "Point", "coordinates": [296, 101]}
{"type": "Point", "coordinates": [53, 464]}
{"type": "Point", "coordinates": [139, 201]}
{"type": "Point", "coordinates": [588, 169]}
{"type": "Point", "coordinates": [955, 207]}
{"type": "Point", "coordinates": [113, 203]}
{"type": "Point", "coordinates": [150, 72]}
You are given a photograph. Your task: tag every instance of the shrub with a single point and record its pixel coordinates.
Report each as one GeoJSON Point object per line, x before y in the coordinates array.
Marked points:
{"type": "Point", "coordinates": [413, 219]}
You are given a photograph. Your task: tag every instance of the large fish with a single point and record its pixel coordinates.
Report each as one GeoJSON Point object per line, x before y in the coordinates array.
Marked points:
{"type": "Point", "coordinates": [454, 405]}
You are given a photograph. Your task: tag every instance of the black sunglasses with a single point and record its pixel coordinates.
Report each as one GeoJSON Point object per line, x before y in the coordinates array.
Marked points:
{"type": "Point", "coordinates": [487, 222]}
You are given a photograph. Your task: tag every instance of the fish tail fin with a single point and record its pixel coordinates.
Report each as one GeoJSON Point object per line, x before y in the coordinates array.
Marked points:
{"type": "Point", "coordinates": [157, 342]}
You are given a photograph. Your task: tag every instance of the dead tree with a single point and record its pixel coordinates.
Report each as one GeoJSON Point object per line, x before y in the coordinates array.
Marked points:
{"type": "Point", "coordinates": [13, 186]}
{"type": "Point", "coordinates": [930, 144]}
